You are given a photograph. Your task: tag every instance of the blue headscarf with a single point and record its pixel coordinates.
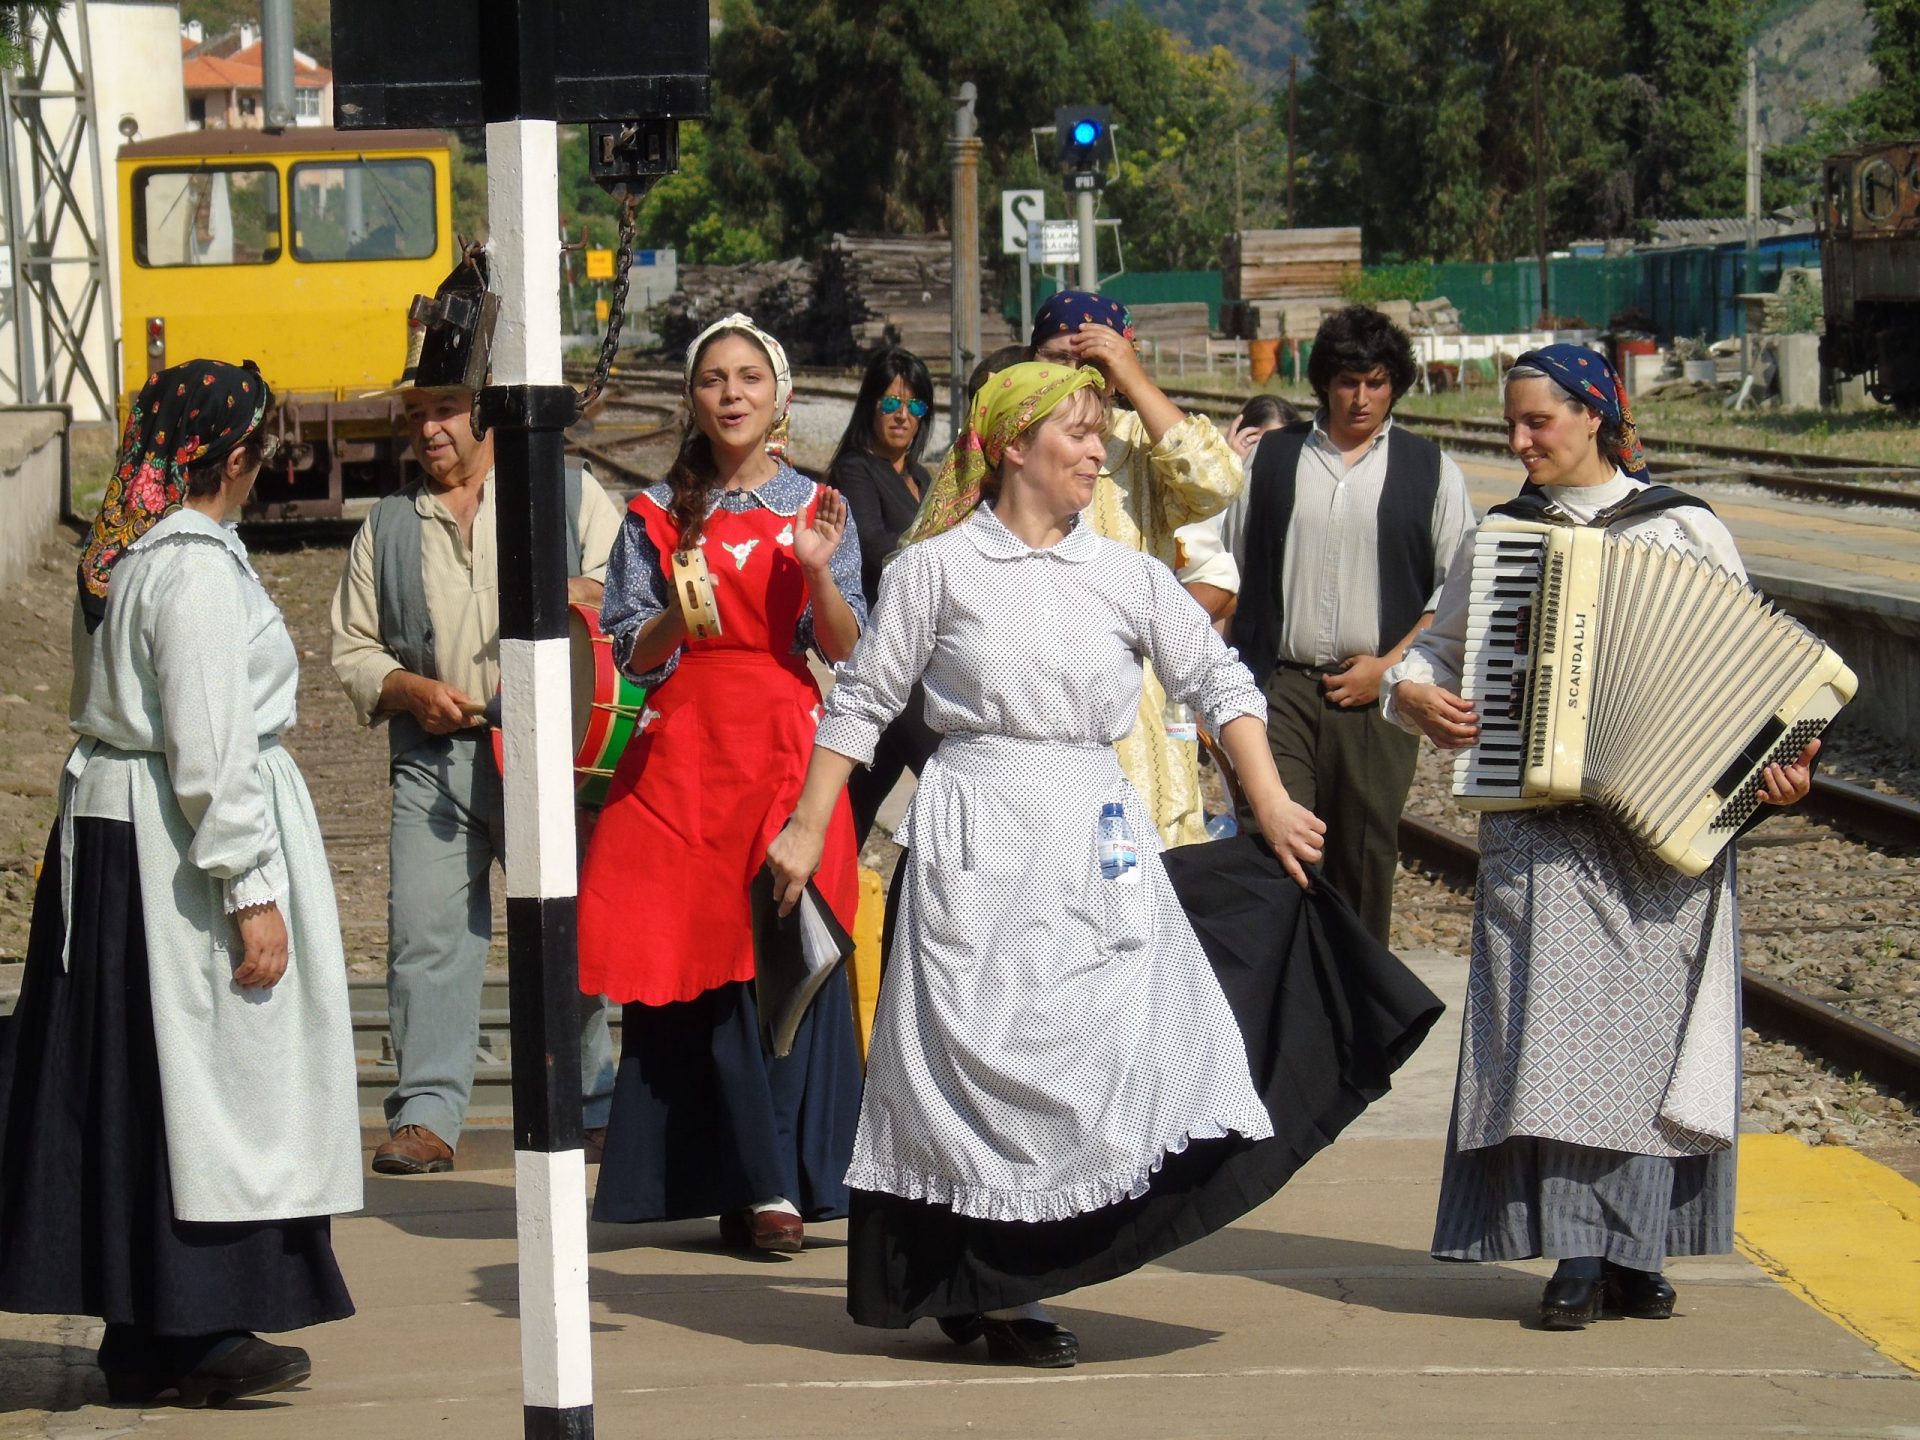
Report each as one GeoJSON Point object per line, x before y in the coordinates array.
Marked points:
{"type": "Point", "coordinates": [1071, 310]}
{"type": "Point", "coordinates": [1587, 377]}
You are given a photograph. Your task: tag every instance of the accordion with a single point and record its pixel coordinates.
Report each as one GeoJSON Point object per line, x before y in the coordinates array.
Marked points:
{"type": "Point", "coordinates": [1635, 677]}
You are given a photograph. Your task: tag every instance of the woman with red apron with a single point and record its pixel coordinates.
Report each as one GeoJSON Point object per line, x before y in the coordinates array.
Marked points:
{"type": "Point", "coordinates": [704, 1122]}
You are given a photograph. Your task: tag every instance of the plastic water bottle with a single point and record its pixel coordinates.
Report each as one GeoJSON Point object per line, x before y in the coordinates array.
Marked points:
{"type": "Point", "coordinates": [1180, 722]}
{"type": "Point", "coordinates": [1119, 857]}
{"type": "Point", "coordinates": [1222, 826]}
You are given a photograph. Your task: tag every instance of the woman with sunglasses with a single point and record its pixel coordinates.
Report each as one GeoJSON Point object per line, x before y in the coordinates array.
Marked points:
{"type": "Point", "coordinates": [177, 1111]}
{"type": "Point", "coordinates": [877, 468]}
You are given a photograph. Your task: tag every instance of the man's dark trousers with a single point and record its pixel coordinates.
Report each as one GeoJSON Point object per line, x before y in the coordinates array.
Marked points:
{"type": "Point", "coordinates": [1353, 769]}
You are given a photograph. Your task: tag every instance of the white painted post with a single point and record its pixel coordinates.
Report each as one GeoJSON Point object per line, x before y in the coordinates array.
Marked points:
{"type": "Point", "coordinates": [527, 403]}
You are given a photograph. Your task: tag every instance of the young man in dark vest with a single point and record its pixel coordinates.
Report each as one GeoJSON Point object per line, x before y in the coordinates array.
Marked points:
{"type": "Point", "coordinates": [416, 645]}
{"type": "Point", "coordinates": [1349, 525]}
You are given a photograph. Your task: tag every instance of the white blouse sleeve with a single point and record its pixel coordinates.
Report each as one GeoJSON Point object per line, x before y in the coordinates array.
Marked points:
{"type": "Point", "coordinates": [197, 630]}
{"type": "Point", "coordinates": [1194, 664]}
{"type": "Point", "coordinates": [1439, 652]}
{"type": "Point", "coordinates": [873, 684]}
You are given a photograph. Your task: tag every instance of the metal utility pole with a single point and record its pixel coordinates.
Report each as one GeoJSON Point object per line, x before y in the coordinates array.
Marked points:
{"type": "Point", "coordinates": [1293, 120]}
{"type": "Point", "coordinates": [1749, 356]}
{"type": "Point", "coordinates": [64, 339]}
{"type": "Point", "coordinates": [1540, 183]}
{"type": "Point", "coordinates": [1089, 240]}
{"type": "Point", "coordinates": [276, 62]}
{"type": "Point", "coordinates": [964, 147]}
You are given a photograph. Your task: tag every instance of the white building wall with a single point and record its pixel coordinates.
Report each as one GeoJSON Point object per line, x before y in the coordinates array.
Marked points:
{"type": "Point", "coordinates": [136, 72]}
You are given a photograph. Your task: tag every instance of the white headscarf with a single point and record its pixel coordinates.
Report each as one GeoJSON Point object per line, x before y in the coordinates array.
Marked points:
{"type": "Point", "coordinates": [782, 372]}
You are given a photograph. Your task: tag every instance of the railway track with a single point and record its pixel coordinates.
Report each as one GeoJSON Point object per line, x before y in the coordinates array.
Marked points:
{"type": "Point", "coordinates": [1770, 1005]}
{"type": "Point", "coordinates": [1826, 479]}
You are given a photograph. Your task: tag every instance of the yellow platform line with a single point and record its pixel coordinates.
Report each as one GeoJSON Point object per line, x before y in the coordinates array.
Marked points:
{"type": "Point", "coordinates": [1839, 1231]}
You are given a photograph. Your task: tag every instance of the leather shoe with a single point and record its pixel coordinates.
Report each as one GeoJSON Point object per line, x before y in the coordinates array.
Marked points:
{"type": "Point", "coordinates": [593, 1143]}
{"type": "Point", "coordinates": [231, 1368]}
{"type": "Point", "coordinates": [961, 1329]}
{"type": "Point", "coordinates": [1638, 1294]}
{"type": "Point", "coordinates": [772, 1230]}
{"type": "Point", "coordinates": [1039, 1343]}
{"type": "Point", "coordinates": [1570, 1302]}
{"type": "Point", "coordinates": [413, 1150]}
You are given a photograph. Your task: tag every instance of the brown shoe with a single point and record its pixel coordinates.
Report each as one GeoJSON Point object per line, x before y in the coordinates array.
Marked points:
{"type": "Point", "coordinates": [593, 1141]}
{"type": "Point", "coordinates": [773, 1230]}
{"type": "Point", "coordinates": [413, 1150]}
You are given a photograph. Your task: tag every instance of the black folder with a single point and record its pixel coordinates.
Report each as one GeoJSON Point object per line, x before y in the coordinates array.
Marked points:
{"type": "Point", "coordinates": [794, 955]}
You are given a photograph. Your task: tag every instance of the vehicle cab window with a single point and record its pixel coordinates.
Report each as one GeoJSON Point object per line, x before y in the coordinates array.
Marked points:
{"type": "Point", "coordinates": [206, 216]}
{"type": "Point", "coordinates": [363, 210]}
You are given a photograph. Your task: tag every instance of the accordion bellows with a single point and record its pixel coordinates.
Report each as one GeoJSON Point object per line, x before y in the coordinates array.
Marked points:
{"type": "Point", "coordinates": [1636, 677]}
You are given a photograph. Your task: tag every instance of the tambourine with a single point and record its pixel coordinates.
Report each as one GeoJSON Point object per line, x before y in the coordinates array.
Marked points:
{"type": "Point", "coordinates": [693, 585]}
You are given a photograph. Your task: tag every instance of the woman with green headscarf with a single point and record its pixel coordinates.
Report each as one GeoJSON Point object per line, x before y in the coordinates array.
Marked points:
{"type": "Point", "coordinates": [1056, 1075]}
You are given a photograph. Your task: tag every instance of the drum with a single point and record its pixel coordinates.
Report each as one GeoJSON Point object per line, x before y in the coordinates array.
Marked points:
{"type": "Point", "coordinates": [607, 707]}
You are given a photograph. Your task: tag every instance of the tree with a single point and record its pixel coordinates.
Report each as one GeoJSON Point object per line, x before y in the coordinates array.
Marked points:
{"type": "Point", "coordinates": [1197, 162]}
{"type": "Point", "coordinates": [1417, 123]}
{"type": "Point", "coordinates": [1691, 57]}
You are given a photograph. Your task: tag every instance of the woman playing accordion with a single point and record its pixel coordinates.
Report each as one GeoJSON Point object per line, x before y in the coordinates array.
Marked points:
{"type": "Point", "coordinates": [1598, 1097]}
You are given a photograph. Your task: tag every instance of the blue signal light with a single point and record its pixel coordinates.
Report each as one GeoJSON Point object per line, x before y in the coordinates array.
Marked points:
{"type": "Point", "coordinates": [1085, 132]}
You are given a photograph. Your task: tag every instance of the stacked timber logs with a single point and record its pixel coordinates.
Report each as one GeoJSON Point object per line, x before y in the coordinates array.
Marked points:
{"type": "Point", "coordinates": [878, 290]}
{"type": "Point", "coordinates": [778, 295]}
{"type": "Point", "coordinates": [1290, 264]}
{"type": "Point", "coordinates": [1289, 277]}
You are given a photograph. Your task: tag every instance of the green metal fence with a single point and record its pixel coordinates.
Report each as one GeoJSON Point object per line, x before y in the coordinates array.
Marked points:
{"type": "Point", "coordinates": [1142, 287]}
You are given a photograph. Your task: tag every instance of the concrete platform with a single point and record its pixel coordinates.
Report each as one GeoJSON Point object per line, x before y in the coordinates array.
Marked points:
{"type": "Point", "coordinates": [1319, 1314]}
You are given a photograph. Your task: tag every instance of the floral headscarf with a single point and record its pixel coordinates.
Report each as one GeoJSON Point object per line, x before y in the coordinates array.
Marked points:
{"type": "Point", "coordinates": [1587, 377]}
{"type": "Point", "coordinates": [776, 356]}
{"type": "Point", "coordinates": [1072, 310]}
{"type": "Point", "coordinates": [1008, 404]}
{"type": "Point", "coordinates": [186, 415]}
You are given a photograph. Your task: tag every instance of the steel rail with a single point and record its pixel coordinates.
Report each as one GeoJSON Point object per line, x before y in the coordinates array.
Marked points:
{"type": "Point", "coordinates": [1752, 466]}
{"type": "Point", "coordinates": [1770, 1005]}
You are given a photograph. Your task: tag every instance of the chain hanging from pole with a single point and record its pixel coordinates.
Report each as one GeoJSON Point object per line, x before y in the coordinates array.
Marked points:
{"type": "Point", "coordinates": [622, 263]}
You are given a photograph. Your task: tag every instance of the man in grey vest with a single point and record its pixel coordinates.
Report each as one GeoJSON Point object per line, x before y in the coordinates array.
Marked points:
{"type": "Point", "coordinates": [416, 644]}
{"type": "Point", "coordinates": [1344, 535]}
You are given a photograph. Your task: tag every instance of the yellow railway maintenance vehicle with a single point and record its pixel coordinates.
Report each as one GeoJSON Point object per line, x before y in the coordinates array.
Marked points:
{"type": "Point", "coordinates": [298, 250]}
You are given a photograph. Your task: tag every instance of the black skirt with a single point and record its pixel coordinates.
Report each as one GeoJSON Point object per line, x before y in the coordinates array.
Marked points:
{"type": "Point", "coordinates": [705, 1121]}
{"type": "Point", "coordinates": [86, 1196]}
{"type": "Point", "coordinates": [1328, 1014]}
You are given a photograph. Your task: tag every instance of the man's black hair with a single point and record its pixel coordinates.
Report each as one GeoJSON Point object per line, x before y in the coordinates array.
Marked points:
{"type": "Point", "coordinates": [1356, 340]}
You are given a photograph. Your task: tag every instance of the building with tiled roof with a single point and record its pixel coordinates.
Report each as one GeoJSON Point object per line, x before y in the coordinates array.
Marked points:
{"type": "Point", "coordinates": [224, 82]}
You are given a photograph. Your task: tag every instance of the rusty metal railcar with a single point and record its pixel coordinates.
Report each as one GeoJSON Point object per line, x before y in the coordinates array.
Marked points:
{"type": "Point", "coordinates": [1870, 268]}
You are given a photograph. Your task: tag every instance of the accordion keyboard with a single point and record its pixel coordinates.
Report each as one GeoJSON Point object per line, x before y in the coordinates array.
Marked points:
{"type": "Point", "coordinates": [1497, 673]}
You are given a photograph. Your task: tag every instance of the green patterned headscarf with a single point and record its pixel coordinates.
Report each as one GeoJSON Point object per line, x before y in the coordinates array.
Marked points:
{"type": "Point", "coordinates": [1011, 402]}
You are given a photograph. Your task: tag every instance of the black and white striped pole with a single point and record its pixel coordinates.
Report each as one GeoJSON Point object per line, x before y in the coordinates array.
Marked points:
{"type": "Point", "coordinates": [629, 72]}
{"type": "Point", "coordinates": [528, 408]}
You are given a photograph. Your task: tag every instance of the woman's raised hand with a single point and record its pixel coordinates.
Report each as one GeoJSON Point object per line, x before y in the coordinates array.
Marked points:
{"type": "Point", "coordinates": [1443, 717]}
{"type": "Point", "coordinates": [813, 546]}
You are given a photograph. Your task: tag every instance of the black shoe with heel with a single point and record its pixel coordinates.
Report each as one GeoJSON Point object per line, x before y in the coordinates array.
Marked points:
{"type": "Point", "coordinates": [1038, 1343]}
{"type": "Point", "coordinates": [1638, 1294]}
{"type": "Point", "coordinates": [198, 1371]}
{"type": "Point", "coordinates": [962, 1329]}
{"type": "Point", "coordinates": [1570, 1302]}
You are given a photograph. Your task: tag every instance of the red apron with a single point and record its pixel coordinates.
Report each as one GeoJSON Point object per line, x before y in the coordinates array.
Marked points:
{"type": "Point", "coordinates": [708, 781]}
